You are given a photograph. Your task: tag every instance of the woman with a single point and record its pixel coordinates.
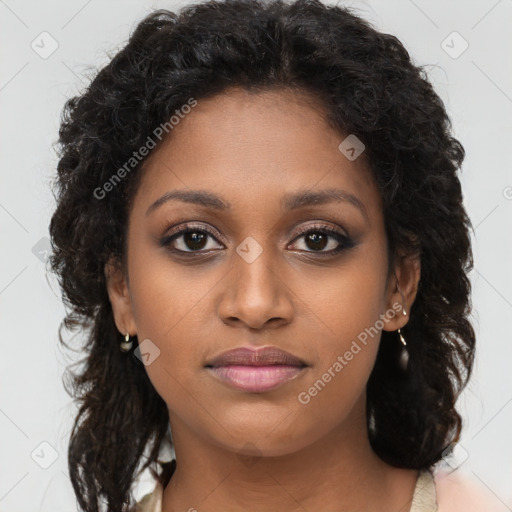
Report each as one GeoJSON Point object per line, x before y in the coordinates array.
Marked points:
{"type": "Point", "coordinates": [260, 222]}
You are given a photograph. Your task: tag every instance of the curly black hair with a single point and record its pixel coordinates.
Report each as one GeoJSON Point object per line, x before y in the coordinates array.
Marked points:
{"type": "Point", "coordinates": [371, 88]}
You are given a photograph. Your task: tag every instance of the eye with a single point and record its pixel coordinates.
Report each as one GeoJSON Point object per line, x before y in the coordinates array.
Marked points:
{"type": "Point", "coordinates": [319, 237]}
{"type": "Point", "coordinates": [200, 239]}
{"type": "Point", "coordinates": [189, 239]}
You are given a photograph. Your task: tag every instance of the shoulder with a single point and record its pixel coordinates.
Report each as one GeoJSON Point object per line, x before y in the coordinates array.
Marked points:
{"type": "Point", "coordinates": [460, 491]}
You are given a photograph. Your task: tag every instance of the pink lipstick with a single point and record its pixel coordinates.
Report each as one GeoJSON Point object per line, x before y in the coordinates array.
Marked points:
{"type": "Point", "coordinates": [256, 370]}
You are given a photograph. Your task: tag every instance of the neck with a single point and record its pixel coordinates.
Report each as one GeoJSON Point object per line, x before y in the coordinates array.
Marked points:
{"type": "Point", "coordinates": [338, 472]}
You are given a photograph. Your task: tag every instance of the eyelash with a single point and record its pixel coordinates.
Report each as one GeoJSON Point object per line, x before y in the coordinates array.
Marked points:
{"type": "Point", "coordinates": [345, 242]}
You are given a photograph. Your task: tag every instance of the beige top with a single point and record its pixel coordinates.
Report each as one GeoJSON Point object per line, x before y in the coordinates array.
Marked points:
{"type": "Point", "coordinates": [423, 500]}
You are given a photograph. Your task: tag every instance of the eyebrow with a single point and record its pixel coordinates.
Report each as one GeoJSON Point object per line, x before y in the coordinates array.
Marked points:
{"type": "Point", "coordinates": [289, 202]}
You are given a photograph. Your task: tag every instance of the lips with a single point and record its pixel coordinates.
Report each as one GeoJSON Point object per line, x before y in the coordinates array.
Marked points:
{"type": "Point", "coordinates": [256, 370]}
{"type": "Point", "coordinates": [265, 356]}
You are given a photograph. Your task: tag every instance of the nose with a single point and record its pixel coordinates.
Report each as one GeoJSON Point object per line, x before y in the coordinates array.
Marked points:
{"type": "Point", "coordinates": [256, 295]}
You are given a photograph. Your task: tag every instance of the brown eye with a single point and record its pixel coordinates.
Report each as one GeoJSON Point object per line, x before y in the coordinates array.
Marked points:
{"type": "Point", "coordinates": [317, 241]}
{"type": "Point", "coordinates": [194, 240]}
{"type": "Point", "coordinates": [189, 239]}
{"type": "Point", "coordinates": [319, 238]}
{"type": "Point", "coordinates": [323, 240]}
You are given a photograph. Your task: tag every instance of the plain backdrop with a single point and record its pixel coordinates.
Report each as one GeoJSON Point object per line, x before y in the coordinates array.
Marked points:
{"type": "Point", "coordinates": [47, 48]}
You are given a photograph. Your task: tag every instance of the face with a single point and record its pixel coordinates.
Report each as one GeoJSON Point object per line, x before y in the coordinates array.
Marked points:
{"type": "Point", "coordinates": [258, 254]}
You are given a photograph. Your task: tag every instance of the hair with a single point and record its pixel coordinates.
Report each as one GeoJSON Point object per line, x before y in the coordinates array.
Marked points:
{"type": "Point", "coordinates": [370, 88]}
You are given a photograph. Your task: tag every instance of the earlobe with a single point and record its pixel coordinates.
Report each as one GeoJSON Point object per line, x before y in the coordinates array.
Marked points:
{"type": "Point", "coordinates": [120, 297]}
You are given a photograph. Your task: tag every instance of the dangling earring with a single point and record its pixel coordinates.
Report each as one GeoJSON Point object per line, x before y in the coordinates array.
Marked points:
{"type": "Point", "coordinates": [404, 354]}
{"type": "Point", "coordinates": [126, 345]}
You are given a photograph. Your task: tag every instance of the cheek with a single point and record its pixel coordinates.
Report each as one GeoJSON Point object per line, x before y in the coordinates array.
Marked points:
{"type": "Point", "coordinates": [166, 300]}
{"type": "Point", "coordinates": [169, 319]}
{"type": "Point", "coordinates": [346, 301]}
{"type": "Point", "coordinates": [166, 295]}
{"type": "Point", "coordinates": [345, 313]}
{"type": "Point", "coordinates": [345, 355]}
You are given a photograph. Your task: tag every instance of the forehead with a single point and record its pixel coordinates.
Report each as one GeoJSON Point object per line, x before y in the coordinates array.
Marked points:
{"type": "Point", "coordinates": [252, 147]}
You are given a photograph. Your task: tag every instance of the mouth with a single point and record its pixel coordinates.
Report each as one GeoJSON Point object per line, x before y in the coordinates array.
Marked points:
{"type": "Point", "coordinates": [256, 370]}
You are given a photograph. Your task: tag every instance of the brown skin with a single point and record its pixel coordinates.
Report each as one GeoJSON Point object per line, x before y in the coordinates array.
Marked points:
{"type": "Point", "coordinates": [266, 449]}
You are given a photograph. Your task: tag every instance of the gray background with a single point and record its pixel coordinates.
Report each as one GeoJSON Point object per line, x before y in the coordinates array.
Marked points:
{"type": "Point", "coordinates": [476, 86]}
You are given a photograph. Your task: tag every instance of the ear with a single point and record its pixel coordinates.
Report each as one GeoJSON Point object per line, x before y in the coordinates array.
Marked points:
{"type": "Point", "coordinates": [120, 297]}
{"type": "Point", "coordinates": [402, 290]}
